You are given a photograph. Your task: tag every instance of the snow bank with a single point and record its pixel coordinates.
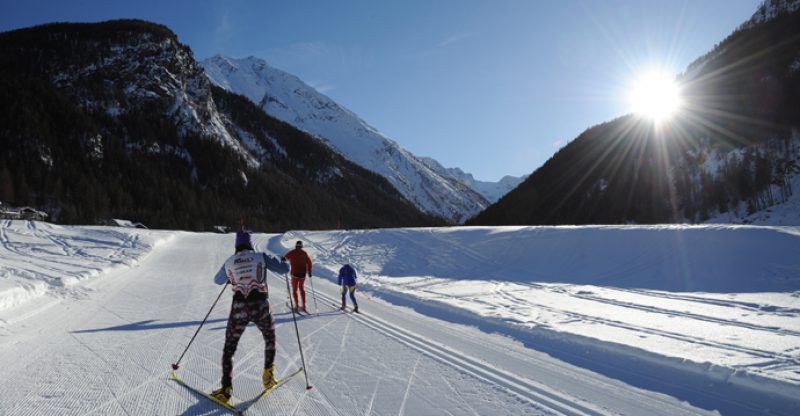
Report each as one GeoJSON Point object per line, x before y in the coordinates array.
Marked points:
{"type": "Point", "coordinates": [785, 213]}
{"type": "Point", "coordinates": [676, 258]}
{"type": "Point", "coordinates": [719, 300]}
{"type": "Point", "coordinates": [40, 258]}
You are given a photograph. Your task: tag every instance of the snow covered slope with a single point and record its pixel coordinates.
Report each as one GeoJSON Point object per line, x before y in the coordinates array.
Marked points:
{"type": "Point", "coordinates": [287, 98]}
{"type": "Point", "coordinates": [473, 321]}
{"type": "Point", "coordinates": [784, 213]}
{"type": "Point", "coordinates": [41, 259]}
{"type": "Point", "coordinates": [718, 302]}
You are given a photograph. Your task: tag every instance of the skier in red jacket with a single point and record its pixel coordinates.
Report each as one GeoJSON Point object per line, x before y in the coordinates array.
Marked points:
{"type": "Point", "coordinates": [301, 264]}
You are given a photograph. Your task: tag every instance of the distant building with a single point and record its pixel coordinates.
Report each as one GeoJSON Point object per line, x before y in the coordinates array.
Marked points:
{"type": "Point", "coordinates": [28, 213]}
{"type": "Point", "coordinates": [23, 213]}
{"type": "Point", "coordinates": [8, 214]}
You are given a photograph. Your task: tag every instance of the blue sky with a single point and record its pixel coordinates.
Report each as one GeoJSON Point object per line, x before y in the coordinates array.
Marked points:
{"type": "Point", "coordinates": [492, 87]}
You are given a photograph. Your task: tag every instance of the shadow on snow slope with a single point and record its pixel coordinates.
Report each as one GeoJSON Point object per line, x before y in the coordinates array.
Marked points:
{"type": "Point", "coordinates": [675, 258]}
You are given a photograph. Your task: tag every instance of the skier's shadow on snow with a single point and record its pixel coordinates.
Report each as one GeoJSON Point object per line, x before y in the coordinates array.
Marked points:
{"type": "Point", "coordinates": [147, 325]}
{"type": "Point", "coordinates": [152, 324]}
{"type": "Point", "coordinates": [203, 406]}
{"type": "Point", "coordinates": [282, 318]}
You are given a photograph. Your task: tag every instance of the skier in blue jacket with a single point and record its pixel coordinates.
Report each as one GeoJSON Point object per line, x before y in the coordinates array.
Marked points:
{"type": "Point", "coordinates": [347, 280]}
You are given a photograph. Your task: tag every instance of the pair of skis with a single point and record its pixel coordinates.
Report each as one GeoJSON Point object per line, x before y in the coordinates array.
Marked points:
{"type": "Point", "coordinates": [248, 404]}
{"type": "Point", "coordinates": [345, 309]}
{"type": "Point", "coordinates": [298, 311]}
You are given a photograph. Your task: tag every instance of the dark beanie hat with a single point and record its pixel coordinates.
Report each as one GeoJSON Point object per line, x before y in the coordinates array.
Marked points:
{"type": "Point", "coordinates": [243, 240]}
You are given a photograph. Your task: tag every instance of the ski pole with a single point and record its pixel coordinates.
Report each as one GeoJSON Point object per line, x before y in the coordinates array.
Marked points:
{"type": "Point", "coordinates": [176, 365]}
{"type": "Point", "coordinates": [314, 295]}
{"type": "Point", "coordinates": [365, 293]}
{"type": "Point", "coordinates": [362, 290]}
{"type": "Point", "coordinates": [297, 331]}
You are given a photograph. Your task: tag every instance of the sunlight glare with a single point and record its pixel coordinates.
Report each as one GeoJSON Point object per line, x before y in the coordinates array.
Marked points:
{"type": "Point", "coordinates": [655, 95]}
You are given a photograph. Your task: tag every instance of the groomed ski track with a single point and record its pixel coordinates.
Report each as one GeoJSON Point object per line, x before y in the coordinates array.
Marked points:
{"type": "Point", "coordinates": [106, 350]}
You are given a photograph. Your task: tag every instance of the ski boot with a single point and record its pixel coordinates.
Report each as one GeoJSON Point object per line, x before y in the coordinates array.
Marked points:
{"type": "Point", "coordinates": [223, 393]}
{"type": "Point", "coordinates": [355, 309]}
{"type": "Point", "coordinates": [303, 309]}
{"type": "Point", "coordinates": [269, 378]}
{"type": "Point", "coordinates": [343, 308]}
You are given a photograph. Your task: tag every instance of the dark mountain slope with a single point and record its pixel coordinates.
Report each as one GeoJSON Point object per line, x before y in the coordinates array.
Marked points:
{"type": "Point", "coordinates": [116, 119]}
{"type": "Point", "coordinates": [733, 147]}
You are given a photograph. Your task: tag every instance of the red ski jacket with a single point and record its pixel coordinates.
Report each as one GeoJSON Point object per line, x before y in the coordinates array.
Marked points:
{"type": "Point", "coordinates": [300, 262]}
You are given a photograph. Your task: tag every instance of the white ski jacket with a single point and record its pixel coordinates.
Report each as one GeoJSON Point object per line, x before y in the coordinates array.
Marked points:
{"type": "Point", "coordinates": [247, 271]}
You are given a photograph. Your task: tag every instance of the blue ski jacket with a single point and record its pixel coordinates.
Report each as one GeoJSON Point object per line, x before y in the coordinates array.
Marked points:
{"type": "Point", "coordinates": [347, 276]}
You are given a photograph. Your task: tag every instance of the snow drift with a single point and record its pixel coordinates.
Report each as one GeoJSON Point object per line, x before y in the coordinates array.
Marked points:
{"type": "Point", "coordinates": [37, 258]}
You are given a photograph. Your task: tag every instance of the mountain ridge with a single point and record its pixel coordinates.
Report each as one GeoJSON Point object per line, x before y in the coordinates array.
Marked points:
{"type": "Point", "coordinates": [116, 119]}
{"type": "Point", "coordinates": [284, 96]}
{"type": "Point", "coordinates": [742, 109]}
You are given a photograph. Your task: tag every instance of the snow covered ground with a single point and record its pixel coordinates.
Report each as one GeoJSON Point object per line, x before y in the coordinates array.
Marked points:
{"type": "Point", "coordinates": [663, 320]}
{"type": "Point", "coordinates": [787, 212]}
{"type": "Point", "coordinates": [40, 259]}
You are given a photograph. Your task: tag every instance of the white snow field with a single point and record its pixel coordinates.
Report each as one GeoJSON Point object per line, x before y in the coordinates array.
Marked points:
{"type": "Point", "coordinates": [40, 259]}
{"type": "Point", "coordinates": [634, 320]}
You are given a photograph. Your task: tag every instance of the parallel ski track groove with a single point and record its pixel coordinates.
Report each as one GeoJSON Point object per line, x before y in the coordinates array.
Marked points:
{"type": "Point", "coordinates": [335, 361]}
{"type": "Point", "coordinates": [460, 396]}
{"type": "Point", "coordinates": [402, 410]}
{"type": "Point", "coordinates": [717, 302]}
{"type": "Point", "coordinates": [520, 387]}
{"type": "Point", "coordinates": [711, 319]}
{"type": "Point", "coordinates": [651, 331]}
{"type": "Point", "coordinates": [655, 379]}
{"type": "Point", "coordinates": [372, 398]}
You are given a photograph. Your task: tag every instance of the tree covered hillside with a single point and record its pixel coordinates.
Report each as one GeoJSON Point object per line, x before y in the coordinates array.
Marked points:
{"type": "Point", "coordinates": [116, 119]}
{"type": "Point", "coordinates": [733, 147]}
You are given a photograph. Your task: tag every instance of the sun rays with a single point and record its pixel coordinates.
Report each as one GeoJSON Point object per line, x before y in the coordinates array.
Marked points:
{"type": "Point", "coordinates": [655, 95]}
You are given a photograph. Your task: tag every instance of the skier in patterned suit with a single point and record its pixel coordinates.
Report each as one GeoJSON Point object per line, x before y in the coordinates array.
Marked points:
{"type": "Point", "coordinates": [246, 271]}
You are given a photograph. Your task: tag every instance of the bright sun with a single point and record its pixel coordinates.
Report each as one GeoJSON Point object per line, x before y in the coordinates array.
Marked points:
{"type": "Point", "coordinates": [655, 95]}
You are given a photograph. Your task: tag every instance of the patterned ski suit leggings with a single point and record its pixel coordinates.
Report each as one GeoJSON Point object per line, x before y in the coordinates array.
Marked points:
{"type": "Point", "coordinates": [242, 313]}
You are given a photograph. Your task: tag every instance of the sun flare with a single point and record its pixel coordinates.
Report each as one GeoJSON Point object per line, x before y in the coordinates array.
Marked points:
{"type": "Point", "coordinates": [655, 95]}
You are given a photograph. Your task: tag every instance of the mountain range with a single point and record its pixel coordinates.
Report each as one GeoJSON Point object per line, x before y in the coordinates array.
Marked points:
{"type": "Point", "coordinates": [447, 193]}
{"type": "Point", "coordinates": [117, 120]}
{"type": "Point", "coordinates": [135, 88]}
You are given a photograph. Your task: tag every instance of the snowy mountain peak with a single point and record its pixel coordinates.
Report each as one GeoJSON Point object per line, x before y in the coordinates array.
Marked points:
{"type": "Point", "coordinates": [492, 191]}
{"type": "Point", "coordinates": [284, 96]}
{"type": "Point", "coordinates": [770, 9]}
